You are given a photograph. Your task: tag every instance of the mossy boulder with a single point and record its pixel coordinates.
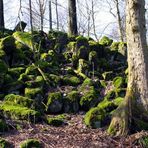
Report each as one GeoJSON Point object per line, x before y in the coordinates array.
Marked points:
{"type": "Point", "coordinates": [3, 67]}
{"type": "Point", "coordinates": [81, 41]}
{"type": "Point", "coordinates": [24, 37]}
{"type": "Point", "coordinates": [31, 143]}
{"type": "Point", "coordinates": [15, 72]}
{"type": "Point", "coordinates": [13, 87]}
{"type": "Point", "coordinates": [55, 80]}
{"type": "Point", "coordinates": [17, 99]}
{"type": "Point", "coordinates": [93, 57]}
{"type": "Point", "coordinates": [83, 66]}
{"type": "Point", "coordinates": [105, 41]}
{"type": "Point", "coordinates": [7, 44]}
{"type": "Point", "coordinates": [32, 70]}
{"type": "Point", "coordinates": [34, 93]}
{"type": "Point", "coordinates": [108, 105]}
{"type": "Point", "coordinates": [36, 82]}
{"type": "Point", "coordinates": [95, 46]}
{"type": "Point", "coordinates": [95, 117]}
{"type": "Point", "coordinates": [71, 102]}
{"type": "Point", "coordinates": [5, 144]}
{"type": "Point", "coordinates": [55, 102]}
{"type": "Point", "coordinates": [71, 80]}
{"type": "Point", "coordinates": [83, 52]}
{"type": "Point", "coordinates": [2, 54]}
{"type": "Point", "coordinates": [55, 120]}
{"type": "Point", "coordinates": [17, 112]}
{"type": "Point", "coordinates": [89, 98]}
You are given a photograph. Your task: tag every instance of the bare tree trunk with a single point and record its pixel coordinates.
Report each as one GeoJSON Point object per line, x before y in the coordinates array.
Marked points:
{"type": "Point", "coordinates": [135, 105]}
{"type": "Point", "coordinates": [50, 15]}
{"type": "Point", "coordinates": [41, 7]}
{"type": "Point", "coordinates": [30, 10]}
{"type": "Point", "coordinates": [57, 16]}
{"type": "Point", "coordinates": [93, 19]}
{"type": "Point", "coordinates": [1, 14]}
{"type": "Point", "coordinates": [120, 30]}
{"type": "Point", "coordinates": [72, 17]}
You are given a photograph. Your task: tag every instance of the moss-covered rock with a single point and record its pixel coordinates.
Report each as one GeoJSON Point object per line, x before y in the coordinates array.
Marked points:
{"type": "Point", "coordinates": [32, 70]}
{"type": "Point", "coordinates": [55, 102]}
{"type": "Point", "coordinates": [7, 44]}
{"type": "Point", "coordinates": [89, 98]}
{"type": "Point", "coordinates": [94, 118]}
{"type": "Point", "coordinates": [18, 112]}
{"type": "Point", "coordinates": [71, 102]}
{"type": "Point", "coordinates": [83, 66]}
{"type": "Point", "coordinates": [108, 105]}
{"type": "Point", "coordinates": [34, 93]}
{"type": "Point", "coordinates": [17, 99]}
{"type": "Point", "coordinates": [71, 80]}
{"type": "Point", "coordinates": [2, 54]}
{"type": "Point", "coordinates": [105, 41]}
{"type": "Point", "coordinates": [5, 144]}
{"type": "Point", "coordinates": [55, 120]}
{"type": "Point", "coordinates": [81, 41]}
{"type": "Point", "coordinates": [36, 82]}
{"type": "Point", "coordinates": [82, 53]}
{"type": "Point", "coordinates": [13, 87]}
{"type": "Point", "coordinates": [25, 38]}
{"type": "Point", "coordinates": [93, 57]}
{"type": "Point", "coordinates": [15, 72]}
{"type": "Point", "coordinates": [30, 143]}
{"type": "Point", "coordinates": [3, 67]}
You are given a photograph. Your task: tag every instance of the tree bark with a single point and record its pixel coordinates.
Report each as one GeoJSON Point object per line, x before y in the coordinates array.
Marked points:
{"type": "Point", "coordinates": [136, 100]}
{"type": "Point", "coordinates": [72, 17]}
{"type": "Point", "coordinates": [119, 21]}
{"type": "Point", "coordinates": [1, 14]}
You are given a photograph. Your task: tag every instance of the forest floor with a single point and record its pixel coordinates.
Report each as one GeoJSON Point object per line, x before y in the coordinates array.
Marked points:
{"type": "Point", "coordinates": [74, 134]}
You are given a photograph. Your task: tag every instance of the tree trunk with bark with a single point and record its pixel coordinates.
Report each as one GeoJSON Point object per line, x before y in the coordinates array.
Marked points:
{"type": "Point", "coordinates": [72, 17]}
{"type": "Point", "coordinates": [1, 14]}
{"type": "Point", "coordinates": [135, 106]}
{"type": "Point", "coordinates": [120, 30]}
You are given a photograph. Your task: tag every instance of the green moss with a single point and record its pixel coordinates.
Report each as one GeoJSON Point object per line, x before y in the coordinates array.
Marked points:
{"type": "Point", "coordinates": [83, 66]}
{"type": "Point", "coordinates": [7, 44]}
{"type": "Point", "coordinates": [109, 106]}
{"type": "Point", "coordinates": [3, 67]}
{"type": "Point", "coordinates": [54, 79]}
{"type": "Point", "coordinates": [89, 99]}
{"type": "Point", "coordinates": [105, 41]}
{"type": "Point", "coordinates": [36, 82]}
{"type": "Point", "coordinates": [32, 70]}
{"type": "Point", "coordinates": [55, 120]}
{"type": "Point", "coordinates": [15, 72]}
{"type": "Point", "coordinates": [71, 102]}
{"type": "Point", "coordinates": [18, 112]}
{"type": "Point", "coordinates": [118, 82]}
{"type": "Point", "coordinates": [71, 46]}
{"type": "Point", "coordinates": [71, 80]}
{"type": "Point", "coordinates": [87, 82]}
{"type": "Point", "coordinates": [30, 143]}
{"type": "Point", "coordinates": [17, 99]}
{"type": "Point", "coordinates": [2, 54]}
{"type": "Point", "coordinates": [33, 93]}
{"type": "Point", "coordinates": [81, 41]}
{"type": "Point", "coordinates": [4, 143]}
{"type": "Point", "coordinates": [24, 37]}
{"type": "Point", "coordinates": [94, 117]}
{"type": "Point", "coordinates": [83, 53]}
{"type": "Point", "coordinates": [143, 141]}
{"type": "Point", "coordinates": [115, 46]}
{"type": "Point", "coordinates": [93, 57]}
{"type": "Point", "coordinates": [55, 102]}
